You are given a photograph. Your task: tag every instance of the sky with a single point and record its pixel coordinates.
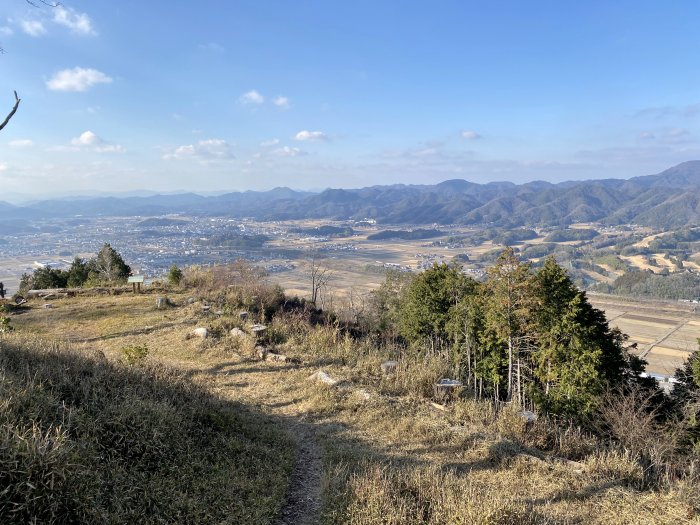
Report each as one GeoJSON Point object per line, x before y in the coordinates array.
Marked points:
{"type": "Point", "coordinates": [213, 96]}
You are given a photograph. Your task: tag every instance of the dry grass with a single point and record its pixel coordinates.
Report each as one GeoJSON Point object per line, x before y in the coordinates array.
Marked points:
{"type": "Point", "coordinates": [388, 456]}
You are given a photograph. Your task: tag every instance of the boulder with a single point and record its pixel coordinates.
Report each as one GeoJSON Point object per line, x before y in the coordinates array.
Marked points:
{"type": "Point", "coordinates": [201, 332]}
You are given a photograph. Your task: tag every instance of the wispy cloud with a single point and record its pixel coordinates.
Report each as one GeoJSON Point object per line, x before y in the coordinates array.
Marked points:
{"type": "Point", "coordinates": [281, 102]}
{"type": "Point", "coordinates": [204, 150]}
{"type": "Point", "coordinates": [6, 31]}
{"type": "Point", "coordinates": [21, 143]}
{"type": "Point", "coordinates": [251, 97]}
{"type": "Point", "coordinates": [658, 112]}
{"type": "Point", "coordinates": [77, 79]}
{"type": "Point", "coordinates": [471, 135]}
{"type": "Point", "coordinates": [33, 28]}
{"type": "Point", "coordinates": [269, 143]}
{"type": "Point", "coordinates": [78, 23]}
{"type": "Point", "coordinates": [311, 136]}
{"type": "Point", "coordinates": [287, 151]}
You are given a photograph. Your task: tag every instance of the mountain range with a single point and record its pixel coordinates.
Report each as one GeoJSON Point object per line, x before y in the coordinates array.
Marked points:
{"type": "Point", "coordinates": [670, 199]}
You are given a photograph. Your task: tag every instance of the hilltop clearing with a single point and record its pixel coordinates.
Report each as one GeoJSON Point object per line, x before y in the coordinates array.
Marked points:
{"type": "Point", "coordinates": [370, 447]}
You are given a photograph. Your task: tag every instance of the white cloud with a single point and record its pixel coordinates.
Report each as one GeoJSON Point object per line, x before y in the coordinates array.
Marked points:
{"type": "Point", "coordinates": [269, 143]}
{"type": "Point", "coordinates": [77, 79]}
{"type": "Point", "coordinates": [88, 141]}
{"type": "Point", "coordinates": [87, 138]}
{"type": "Point", "coordinates": [209, 149]}
{"type": "Point", "coordinates": [79, 23]}
{"type": "Point", "coordinates": [6, 31]}
{"type": "Point", "coordinates": [471, 135]}
{"type": "Point", "coordinates": [251, 97]}
{"type": "Point", "coordinates": [3, 167]}
{"type": "Point", "coordinates": [33, 27]}
{"type": "Point", "coordinates": [281, 102]}
{"type": "Point", "coordinates": [20, 143]}
{"type": "Point", "coordinates": [647, 135]}
{"type": "Point", "coordinates": [312, 136]}
{"type": "Point", "coordinates": [286, 151]}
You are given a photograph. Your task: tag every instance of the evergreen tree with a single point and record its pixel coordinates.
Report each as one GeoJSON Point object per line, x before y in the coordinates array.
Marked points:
{"type": "Point", "coordinates": [109, 265]}
{"type": "Point", "coordinates": [174, 275]}
{"type": "Point", "coordinates": [509, 305]}
{"type": "Point", "coordinates": [78, 273]}
{"type": "Point", "coordinates": [426, 306]}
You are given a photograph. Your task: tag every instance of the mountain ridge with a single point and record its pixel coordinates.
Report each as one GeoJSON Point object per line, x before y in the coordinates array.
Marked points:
{"type": "Point", "coordinates": [667, 199]}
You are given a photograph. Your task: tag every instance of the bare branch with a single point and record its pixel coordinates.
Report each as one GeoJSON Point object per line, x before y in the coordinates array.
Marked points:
{"type": "Point", "coordinates": [50, 4]}
{"type": "Point", "coordinates": [12, 113]}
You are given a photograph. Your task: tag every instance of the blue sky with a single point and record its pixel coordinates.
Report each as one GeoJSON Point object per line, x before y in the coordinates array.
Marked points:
{"type": "Point", "coordinates": [211, 96]}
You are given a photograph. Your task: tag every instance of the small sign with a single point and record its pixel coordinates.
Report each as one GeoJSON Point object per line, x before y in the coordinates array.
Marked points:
{"type": "Point", "coordinates": [135, 279]}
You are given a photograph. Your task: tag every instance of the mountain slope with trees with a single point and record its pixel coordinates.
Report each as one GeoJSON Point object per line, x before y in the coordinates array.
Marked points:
{"type": "Point", "coordinates": [670, 199]}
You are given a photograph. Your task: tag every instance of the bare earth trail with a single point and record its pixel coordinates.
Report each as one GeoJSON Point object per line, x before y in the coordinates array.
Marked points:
{"type": "Point", "coordinates": [267, 386]}
{"type": "Point", "coordinates": [303, 500]}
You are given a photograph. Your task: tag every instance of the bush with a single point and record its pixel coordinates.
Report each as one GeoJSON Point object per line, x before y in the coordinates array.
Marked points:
{"type": "Point", "coordinates": [134, 354]}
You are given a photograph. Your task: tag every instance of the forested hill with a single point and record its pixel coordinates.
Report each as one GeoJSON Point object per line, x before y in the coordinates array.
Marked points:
{"type": "Point", "coordinates": [670, 199]}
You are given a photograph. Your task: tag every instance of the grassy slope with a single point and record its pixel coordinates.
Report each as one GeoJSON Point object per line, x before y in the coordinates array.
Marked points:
{"type": "Point", "coordinates": [91, 440]}
{"type": "Point", "coordinates": [389, 458]}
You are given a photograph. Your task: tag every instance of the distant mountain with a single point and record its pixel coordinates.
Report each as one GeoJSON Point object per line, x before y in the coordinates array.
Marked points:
{"type": "Point", "coordinates": [669, 199]}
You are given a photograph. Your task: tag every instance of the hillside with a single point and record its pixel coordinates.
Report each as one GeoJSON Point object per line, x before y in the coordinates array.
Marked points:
{"type": "Point", "coordinates": [370, 447]}
{"type": "Point", "coordinates": [670, 199]}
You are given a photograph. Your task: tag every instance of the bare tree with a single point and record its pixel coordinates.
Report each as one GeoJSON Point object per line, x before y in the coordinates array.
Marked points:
{"type": "Point", "coordinates": [34, 3]}
{"type": "Point", "coordinates": [12, 113]}
{"type": "Point", "coordinates": [320, 275]}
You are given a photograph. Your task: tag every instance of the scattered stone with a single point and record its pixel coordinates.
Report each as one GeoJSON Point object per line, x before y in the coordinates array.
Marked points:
{"type": "Point", "coordinates": [201, 332]}
{"type": "Point", "coordinates": [322, 377]}
{"type": "Point", "coordinates": [190, 300]}
{"type": "Point", "coordinates": [243, 316]}
{"type": "Point", "coordinates": [362, 393]}
{"type": "Point", "coordinates": [219, 312]}
{"type": "Point", "coordinates": [161, 302]}
{"type": "Point", "coordinates": [389, 367]}
{"type": "Point", "coordinates": [438, 406]}
{"type": "Point", "coordinates": [237, 332]}
{"type": "Point", "coordinates": [205, 308]}
{"type": "Point", "coordinates": [261, 352]}
{"type": "Point", "coordinates": [48, 306]}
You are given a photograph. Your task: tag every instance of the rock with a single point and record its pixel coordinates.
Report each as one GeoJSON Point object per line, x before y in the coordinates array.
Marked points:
{"type": "Point", "coordinates": [237, 332]}
{"type": "Point", "coordinates": [190, 300]}
{"type": "Point", "coordinates": [161, 302]}
{"type": "Point", "coordinates": [322, 377]}
{"type": "Point", "coordinates": [529, 417]}
{"type": "Point", "coordinates": [261, 352]}
{"type": "Point", "coordinates": [48, 306]}
{"type": "Point", "coordinates": [201, 332]}
{"type": "Point", "coordinates": [243, 316]}
{"type": "Point", "coordinates": [205, 308]}
{"type": "Point", "coordinates": [389, 367]}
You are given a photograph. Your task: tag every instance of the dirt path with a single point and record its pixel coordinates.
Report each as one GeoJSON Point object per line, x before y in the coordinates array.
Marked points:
{"type": "Point", "coordinates": [303, 500]}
